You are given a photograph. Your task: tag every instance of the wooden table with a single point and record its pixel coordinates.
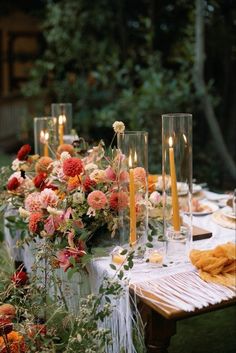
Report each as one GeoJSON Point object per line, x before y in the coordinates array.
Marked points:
{"type": "Point", "coordinates": [160, 322]}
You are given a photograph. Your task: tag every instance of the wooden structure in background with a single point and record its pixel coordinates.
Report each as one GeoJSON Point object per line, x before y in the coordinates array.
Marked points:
{"type": "Point", "coordinates": [20, 45]}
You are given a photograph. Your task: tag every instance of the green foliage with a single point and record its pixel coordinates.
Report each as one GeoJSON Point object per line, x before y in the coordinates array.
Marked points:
{"type": "Point", "coordinates": [101, 57]}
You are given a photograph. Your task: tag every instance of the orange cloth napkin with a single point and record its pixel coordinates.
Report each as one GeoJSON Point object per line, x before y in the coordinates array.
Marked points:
{"type": "Point", "coordinates": [217, 265]}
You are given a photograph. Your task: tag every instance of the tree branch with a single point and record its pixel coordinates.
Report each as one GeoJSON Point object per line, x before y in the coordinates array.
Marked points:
{"type": "Point", "coordinates": [200, 86]}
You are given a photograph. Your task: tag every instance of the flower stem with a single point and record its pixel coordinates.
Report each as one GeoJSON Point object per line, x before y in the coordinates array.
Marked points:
{"type": "Point", "coordinates": [6, 343]}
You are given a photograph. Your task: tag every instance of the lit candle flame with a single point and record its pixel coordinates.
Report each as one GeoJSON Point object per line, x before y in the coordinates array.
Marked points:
{"type": "Point", "coordinates": [170, 141]}
{"type": "Point", "coordinates": [61, 119]}
{"type": "Point", "coordinates": [130, 161]}
{"type": "Point", "coordinates": [44, 136]}
{"type": "Point", "coordinates": [185, 139]}
{"type": "Point", "coordinates": [135, 157]}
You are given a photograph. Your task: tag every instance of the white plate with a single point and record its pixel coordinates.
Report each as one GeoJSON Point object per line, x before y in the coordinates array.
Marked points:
{"type": "Point", "coordinates": [209, 207]}
{"type": "Point", "coordinates": [227, 212]}
{"type": "Point", "coordinates": [183, 188]}
{"type": "Point", "coordinates": [212, 196]}
{"type": "Point", "coordinates": [196, 188]}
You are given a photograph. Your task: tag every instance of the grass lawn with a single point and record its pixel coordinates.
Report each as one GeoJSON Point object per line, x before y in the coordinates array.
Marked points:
{"type": "Point", "coordinates": [5, 159]}
{"type": "Point", "coordinates": [213, 332]}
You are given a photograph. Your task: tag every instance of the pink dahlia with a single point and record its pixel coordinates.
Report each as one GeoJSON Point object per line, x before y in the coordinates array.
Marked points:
{"type": "Point", "coordinates": [110, 174]}
{"type": "Point", "coordinates": [124, 176]}
{"type": "Point", "coordinates": [32, 202]}
{"type": "Point", "coordinates": [23, 152]}
{"type": "Point", "coordinates": [48, 198]}
{"type": "Point", "coordinates": [118, 200]}
{"type": "Point", "coordinates": [97, 199]}
{"type": "Point", "coordinates": [34, 220]}
{"type": "Point", "coordinates": [140, 175]}
{"type": "Point", "coordinates": [72, 166]}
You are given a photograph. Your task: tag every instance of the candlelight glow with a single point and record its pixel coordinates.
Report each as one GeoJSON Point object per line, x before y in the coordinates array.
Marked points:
{"type": "Point", "coordinates": [185, 139]}
{"type": "Point", "coordinates": [170, 141]}
{"type": "Point", "coordinates": [44, 136]}
{"type": "Point", "coordinates": [130, 161]}
{"type": "Point", "coordinates": [135, 157]}
{"type": "Point", "coordinates": [61, 119]}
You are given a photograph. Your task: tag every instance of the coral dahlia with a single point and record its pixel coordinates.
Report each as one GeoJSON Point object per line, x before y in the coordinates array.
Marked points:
{"type": "Point", "coordinates": [72, 166]}
{"type": "Point", "coordinates": [97, 200]}
{"type": "Point", "coordinates": [34, 220]}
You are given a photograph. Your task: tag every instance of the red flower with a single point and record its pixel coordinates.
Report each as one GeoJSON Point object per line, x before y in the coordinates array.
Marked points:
{"type": "Point", "coordinates": [34, 220]}
{"type": "Point", "coordinates": [64, 255]}
{"type": "Point", "coordinates": [20, 278]}
{"type": "Point", "coordinates": [13, 184]}
{"type": "Point", "coordinates": [23, 152]}
{"type": "Point", "coordinates": [5, 326]}
{"type": "Point", "coordinates": [72, 166]}
{"type": "Point", "coordinates": [37, 329]}
{"type": "Point", "coordinates": [118, 200]}
{"type": "Point", "coordinates": [39, 180]}
{"type": "Point", "coordinates": [88, 184]}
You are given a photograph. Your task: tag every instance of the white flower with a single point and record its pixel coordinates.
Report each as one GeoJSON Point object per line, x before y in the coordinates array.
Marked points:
{"type": "Point", "coordinates": [119, 127]}
{"type": "Point", "coordinates": [155, 198]}
{"type": "Point", "coordinates": [54, 211]}
{"type": "Point", "coordinates": [91, 212]}
{"type": "Point", "coordinates": [91, 166]}
{"type": "Point", "coordinates": [16, 164]}
{"type": "Point", "coordinates": [98, 175]}
{"type": "Point", "coordinates": [78, 198]}
{"type": "Point", "coordinates": [23, 213]}
{"type": "Point", "coordinates": [65, 155]}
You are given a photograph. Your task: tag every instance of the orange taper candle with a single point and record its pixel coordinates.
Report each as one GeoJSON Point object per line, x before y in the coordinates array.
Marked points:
{"type": "Point", "coordinates": [174, 192]}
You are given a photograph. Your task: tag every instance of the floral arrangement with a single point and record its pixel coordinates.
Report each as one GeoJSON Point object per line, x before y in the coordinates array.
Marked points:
{"type": "Point", "coordinates": [66, 206]}
{"type": "Point", "coordinates": [74, 199]}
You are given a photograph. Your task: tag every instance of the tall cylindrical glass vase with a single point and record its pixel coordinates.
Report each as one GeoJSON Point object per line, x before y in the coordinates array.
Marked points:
{"type": "Point", "coordinates": [177, 184]}
{"type": "Point", "coordinates": [45, 136]}
{"type": "Point", "coordinates": [133, 220]}
{"type": "Point", "coordinates": [63, 113]}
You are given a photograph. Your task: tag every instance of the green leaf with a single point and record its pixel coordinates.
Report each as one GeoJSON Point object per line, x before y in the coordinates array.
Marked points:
{"type": "Point", "coordinates": [121, 275]}
{"type": "Point", "coordinates": [113, 267]}
{"type": "Point", "coordinates": [149, 245]}
{"type": "Point", "coordinates": [108, 299]}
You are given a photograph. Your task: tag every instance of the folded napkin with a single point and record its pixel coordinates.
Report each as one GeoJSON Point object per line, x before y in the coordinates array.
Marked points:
{"type": "Point", "coordinates": [217, 265]}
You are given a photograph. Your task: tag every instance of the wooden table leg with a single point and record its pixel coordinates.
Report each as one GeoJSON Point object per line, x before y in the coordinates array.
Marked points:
{"type": "Point", "coordinates": [158, 330]}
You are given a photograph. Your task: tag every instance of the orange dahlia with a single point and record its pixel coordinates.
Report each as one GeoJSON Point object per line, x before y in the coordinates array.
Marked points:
{"type": "Point", "coordinates": [16, 343]}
